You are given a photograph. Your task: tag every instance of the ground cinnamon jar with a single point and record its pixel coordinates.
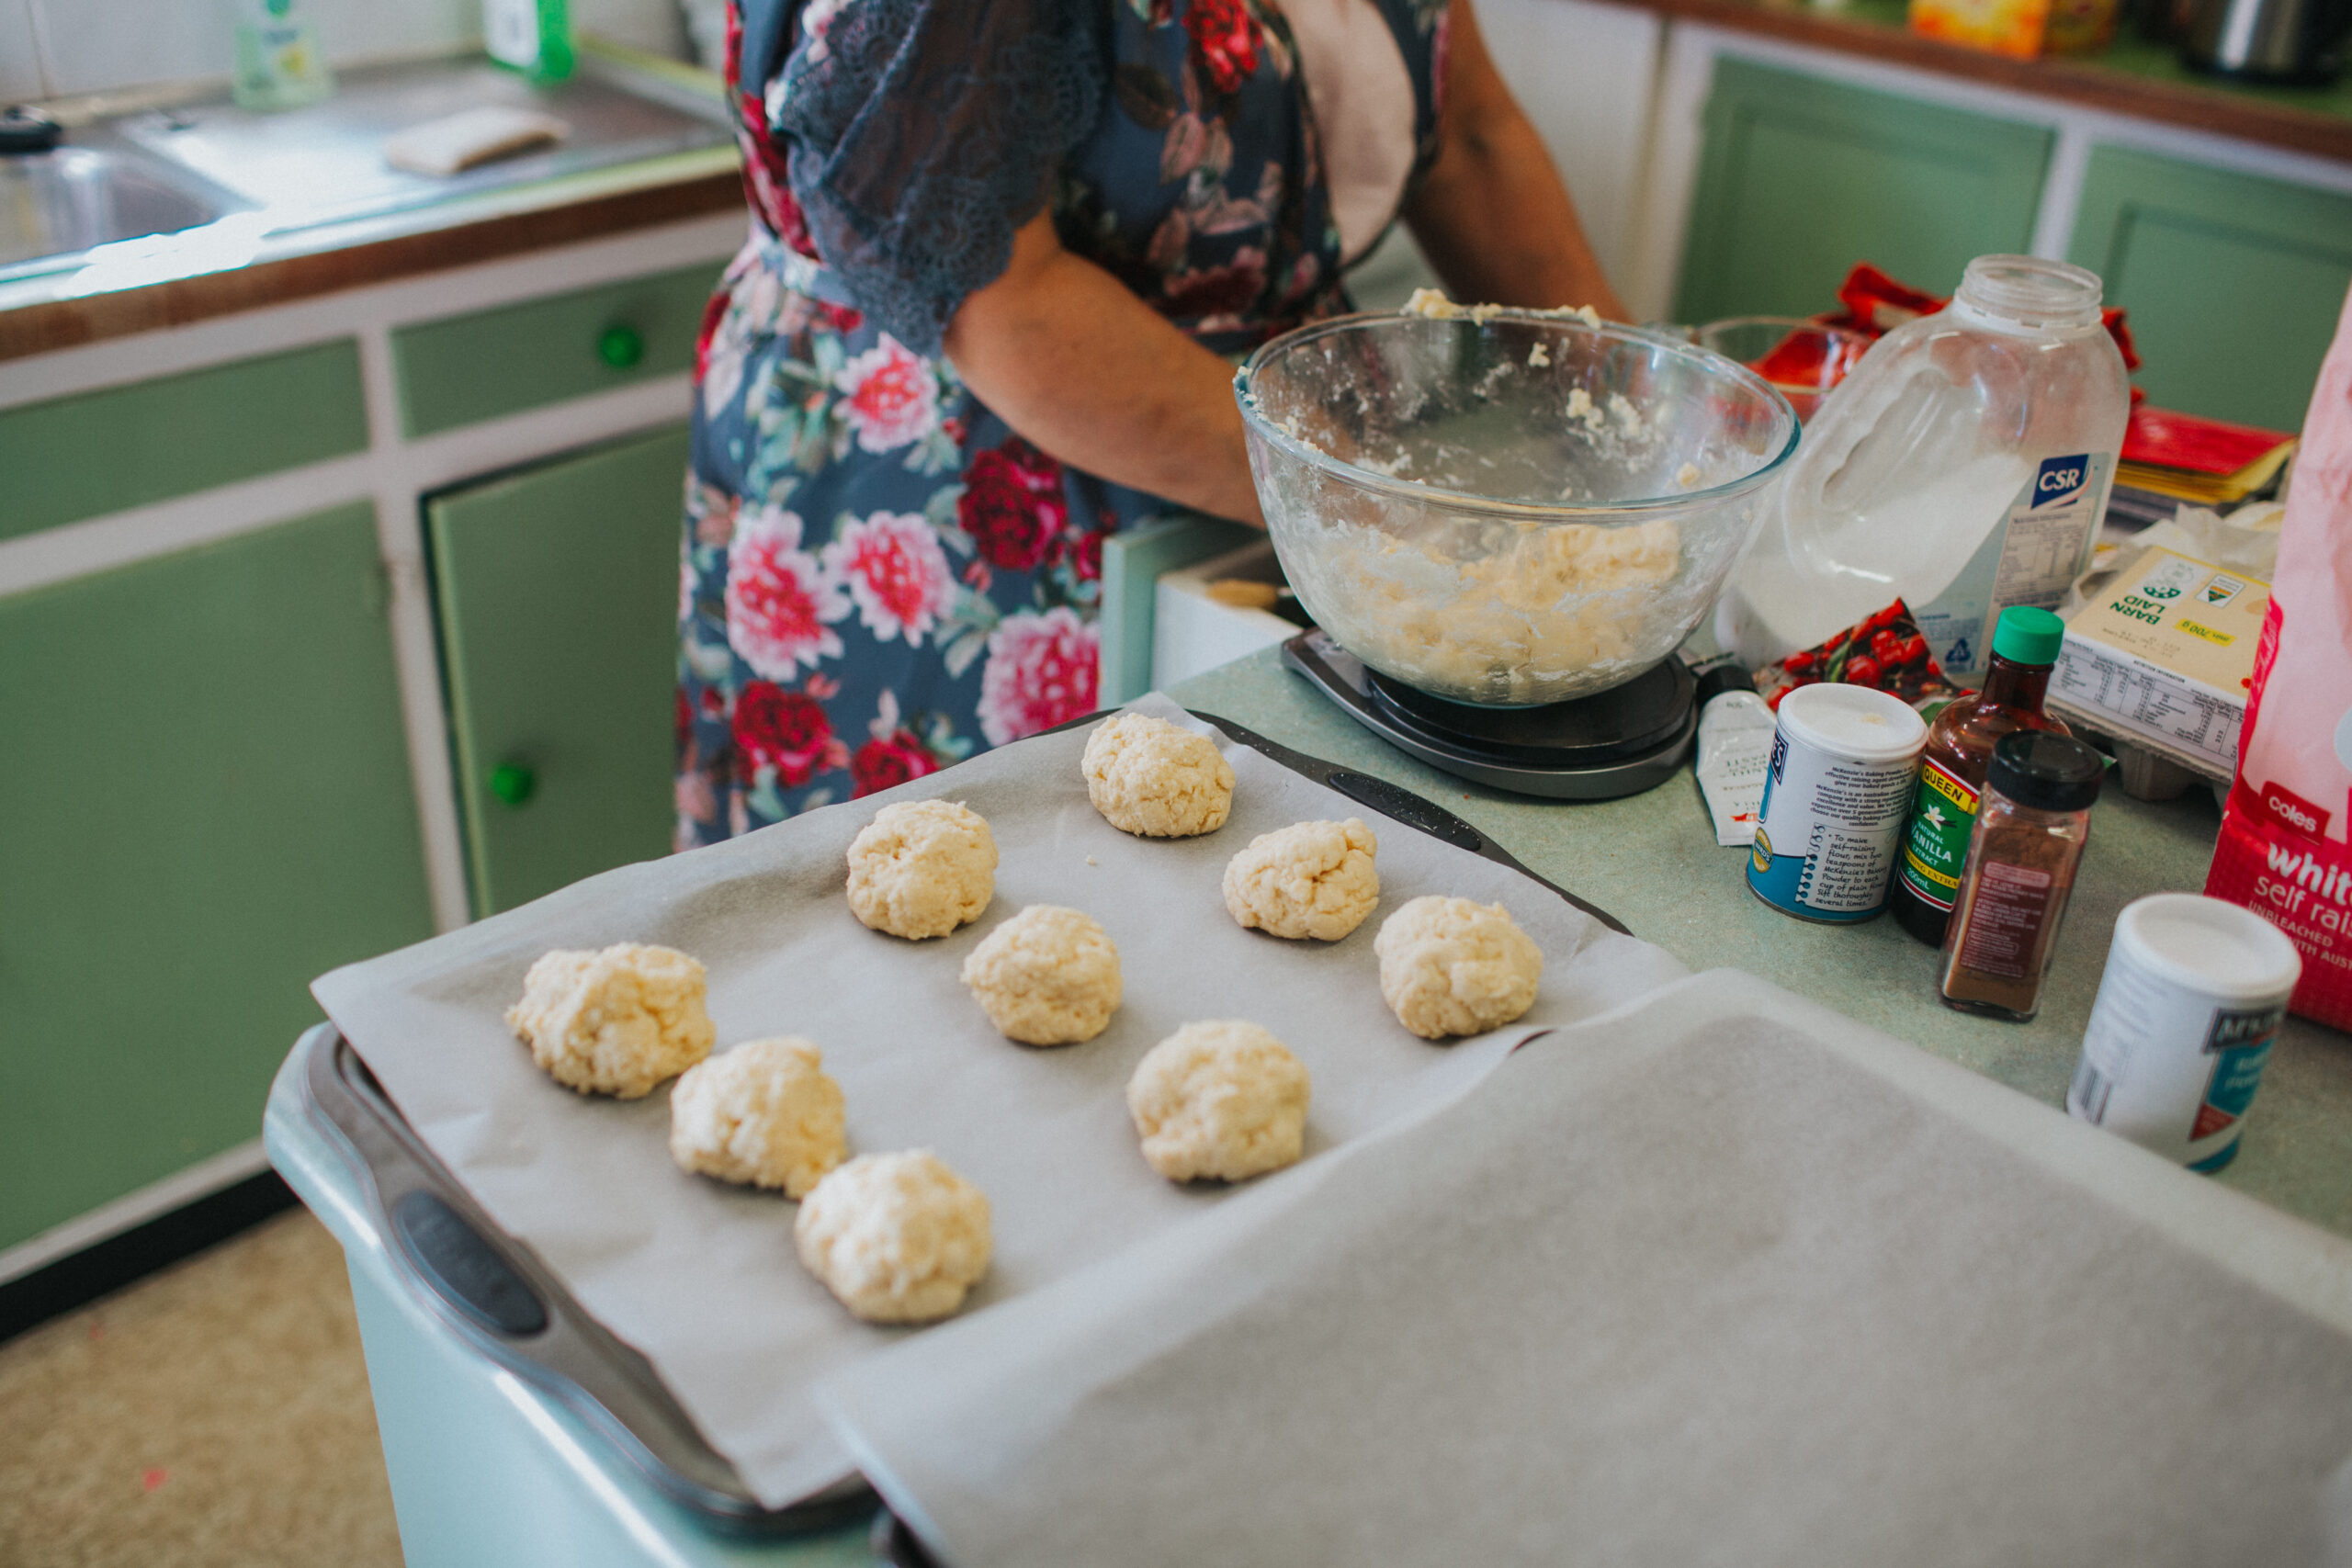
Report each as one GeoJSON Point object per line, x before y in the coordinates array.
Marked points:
{"type": "Point", "coordinates": [2031, 827]}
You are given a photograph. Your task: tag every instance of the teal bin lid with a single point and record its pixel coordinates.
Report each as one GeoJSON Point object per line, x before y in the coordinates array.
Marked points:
{"type": "Point", "coordinates": [2027, 636]}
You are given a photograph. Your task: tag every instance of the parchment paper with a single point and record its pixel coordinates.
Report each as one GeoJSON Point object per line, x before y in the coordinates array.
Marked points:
{"type": "Point", "coordinates": [1722, 1278]}
{"type": "Point", "coordinates": [700, 1277]}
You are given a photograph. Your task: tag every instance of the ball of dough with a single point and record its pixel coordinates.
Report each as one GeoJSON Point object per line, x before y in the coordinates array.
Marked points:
{"type": "Point", "coordinates": [1047, 976]}
{"type": "Point", "coordinates": [1224, 1099]}
{"type": "Point", "coordinates": [1309, 879]}
{"type": "Point", "coordinates": [617, 1022]}
{"type": "Point", "coordinates": [1159, 779]}
{"type": "Point", "coordinates": [922, 868]}
{"type": "Point", "coordinates": [898, 1237]}
{"type": "Point", "coordinates": [1451, 967]}
{"type": "Point", "coordinates": [765, 1114]}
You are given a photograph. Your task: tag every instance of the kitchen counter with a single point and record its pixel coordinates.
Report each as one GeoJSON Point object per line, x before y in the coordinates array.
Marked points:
{"type": "Point", "coordinates": [2134, 76]}
{"type": "Point", "coordinates": [1651, 860]}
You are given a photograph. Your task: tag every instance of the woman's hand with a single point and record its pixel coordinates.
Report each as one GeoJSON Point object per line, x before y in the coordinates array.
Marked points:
{"type": "Point", "coordinates": [1491, 214]}
{"type": "Point", "coordinates": [1061, 351]}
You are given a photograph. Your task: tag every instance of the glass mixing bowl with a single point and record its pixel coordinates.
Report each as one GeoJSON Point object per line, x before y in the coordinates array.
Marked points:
{"type": "Point", "coordinates": [1507, 508]}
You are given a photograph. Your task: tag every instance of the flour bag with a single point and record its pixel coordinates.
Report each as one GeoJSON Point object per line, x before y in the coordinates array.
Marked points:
{"type": "Point", "coordinates": [2283, 851]}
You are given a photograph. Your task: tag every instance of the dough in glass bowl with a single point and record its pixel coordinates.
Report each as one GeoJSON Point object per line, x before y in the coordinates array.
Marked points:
{"type": "Point", "coordinates": [1157, 779]}
{"type": "Point", "coordinates": [1223, 1099]}
{"type": "Point", "coordinates": [1310, 879]}
{"type": "Point", "coordinates": [616, 1022]}
{"type": "Point", "coordinates": [922, 868]}
{"type": "Point", "coordinates": [1047, 976]}
{"type": "Point", "coordinates": [1454, 966]}
{"type": "Point", "coordinates": [764, 1114]}
{"type": "Point", "coordinates": [897, 1238]}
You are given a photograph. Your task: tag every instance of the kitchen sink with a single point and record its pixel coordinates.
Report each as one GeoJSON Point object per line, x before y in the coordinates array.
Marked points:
{"type": "Point", "coordinates": [160, 171]}
{"type": "Point", "coordinates": [70, 199]}
{"type": "Point", "coordinates": [325, 162]}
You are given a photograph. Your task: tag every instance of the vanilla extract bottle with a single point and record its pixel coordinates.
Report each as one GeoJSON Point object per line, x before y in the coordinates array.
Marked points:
{"type": "Point", "coordinates": [1951, 773]}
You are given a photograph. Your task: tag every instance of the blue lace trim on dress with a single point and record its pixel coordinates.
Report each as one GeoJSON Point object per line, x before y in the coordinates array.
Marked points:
{"type": "Point", "coordinates": [922, 133]}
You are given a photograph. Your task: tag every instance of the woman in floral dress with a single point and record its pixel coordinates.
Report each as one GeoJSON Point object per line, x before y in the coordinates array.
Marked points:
{"type": "Point", "coordinates": [999, 247]}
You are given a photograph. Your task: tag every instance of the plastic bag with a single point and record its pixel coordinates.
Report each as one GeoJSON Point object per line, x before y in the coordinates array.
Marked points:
{"type": "Point", "coordinates": [2283, 851]}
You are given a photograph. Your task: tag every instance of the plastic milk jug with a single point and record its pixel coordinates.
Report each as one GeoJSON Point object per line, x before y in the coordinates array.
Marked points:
{"type": "Point", "coordinates": [1962, 466]}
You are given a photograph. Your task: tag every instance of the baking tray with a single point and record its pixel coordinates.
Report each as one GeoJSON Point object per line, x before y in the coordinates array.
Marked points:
{"type": "Point", "coordinates": [496, 1295]}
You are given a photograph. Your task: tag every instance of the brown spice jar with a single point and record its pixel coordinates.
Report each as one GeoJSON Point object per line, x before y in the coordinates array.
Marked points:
{"type": "Point", "coordinates": [2021, 861]}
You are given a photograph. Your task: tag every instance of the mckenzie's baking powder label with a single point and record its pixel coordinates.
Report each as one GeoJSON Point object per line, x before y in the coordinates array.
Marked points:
{"type": "Point", "coordinates": [1827, 833]}
{"type": "Point", "coordinates": [1942, 816]}
{"type": "Point", "coordinates": [2032, 557]}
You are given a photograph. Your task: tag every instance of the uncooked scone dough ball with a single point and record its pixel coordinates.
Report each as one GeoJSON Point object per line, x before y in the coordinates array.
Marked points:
{"type": "Point", "coordinates": [765, 1114]}
{"type": "Point", "coordinates": [1156, 779]}
{"type": "Point", "coordinates": [1452, 966]}
{"type": "Point", "coordinates": [922, 868]}
{"type": "Point", "coordinates": [617, 1022]}
{"type": "Point", "coordinates": [1047, 976]}
{"type": "Point", "coordinates": [1310, 879]}
{"type": "Point", "coordinates": [1223, 1099]}
{"type": "Point", "coordinates": [898, 1237]}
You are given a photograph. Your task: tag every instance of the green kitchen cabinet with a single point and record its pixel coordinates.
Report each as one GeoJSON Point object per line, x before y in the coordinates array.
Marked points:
{"type": "Point", "coordinates": [556, 590]}
{"type": "Point", "coordinates": [205, 801]}
{"type": "Point", "coordinates": [1800, 177]}
{"type": "Point", "coordinates": [2234, 282]}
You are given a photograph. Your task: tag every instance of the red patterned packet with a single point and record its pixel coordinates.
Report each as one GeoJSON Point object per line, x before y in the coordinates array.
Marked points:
{"type": "Point", "coordinates": [1885, 651]}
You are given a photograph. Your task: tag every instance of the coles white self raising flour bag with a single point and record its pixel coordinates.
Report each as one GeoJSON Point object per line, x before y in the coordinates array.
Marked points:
{"type": "Point", "coordinates": [2283, 851]}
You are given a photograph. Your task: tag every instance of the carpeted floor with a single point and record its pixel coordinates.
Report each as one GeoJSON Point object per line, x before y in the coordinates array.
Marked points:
{"type": "Point", "coordinates": [215, 1414]}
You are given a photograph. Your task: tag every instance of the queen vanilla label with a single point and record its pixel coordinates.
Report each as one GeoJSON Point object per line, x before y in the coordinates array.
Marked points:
{"type": "Point", "coordinates": [1942, 817]}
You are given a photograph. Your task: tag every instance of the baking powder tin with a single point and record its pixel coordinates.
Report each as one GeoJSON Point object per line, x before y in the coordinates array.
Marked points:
{"type": "Point", "coordinates": [1836, 792]}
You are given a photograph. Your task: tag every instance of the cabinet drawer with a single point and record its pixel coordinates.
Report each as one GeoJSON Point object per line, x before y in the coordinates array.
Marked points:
{"type": "Point", "coordinates": [97, 452]}
{"type": "Point", "coordinates": [2234, 282]}
{"type": "Point", "coordinates": [205, 803]}
{"type": "Point", "coordinates": [477, 366]}
{"type": "Point", "coordinates": [557, 592]}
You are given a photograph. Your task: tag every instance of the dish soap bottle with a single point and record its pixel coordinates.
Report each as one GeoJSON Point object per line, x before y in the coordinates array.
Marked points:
{"type": "Point", "coordinates": [1951, 772]}
{"type": "Point", "coordinates": [278, 62]}
{"type": "Point", "coordinates": [1962, 466]}
{"type": "Point", "coordinates": [530, 36]}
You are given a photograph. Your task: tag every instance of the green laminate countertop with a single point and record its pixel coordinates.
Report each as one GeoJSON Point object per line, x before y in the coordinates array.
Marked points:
{"type": "Point", "coordinates": [1652, 861]}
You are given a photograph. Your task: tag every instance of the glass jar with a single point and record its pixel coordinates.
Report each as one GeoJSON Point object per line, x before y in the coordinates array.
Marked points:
{"type": "Point", "coordinates": [2032, 824]}
{"type": "Point", "coordinates": [1963, 466]}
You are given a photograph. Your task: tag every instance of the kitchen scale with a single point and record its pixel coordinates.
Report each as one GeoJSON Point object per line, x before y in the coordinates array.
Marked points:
{"type": "Point", "coordinates": [1618, 742]}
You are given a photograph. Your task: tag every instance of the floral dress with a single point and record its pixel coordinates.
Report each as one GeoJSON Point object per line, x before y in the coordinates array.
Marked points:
{"type": "Point", "coordinates": [878, 576]}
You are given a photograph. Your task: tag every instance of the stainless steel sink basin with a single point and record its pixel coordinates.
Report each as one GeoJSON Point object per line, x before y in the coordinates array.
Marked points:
{"type": "Point", "coordinates": [325, 162]}
{"type": "Point", "coordinates": [70, 199]}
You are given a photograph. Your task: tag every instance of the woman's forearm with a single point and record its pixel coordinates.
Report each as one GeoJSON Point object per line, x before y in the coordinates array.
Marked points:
{"type": "Point", "coordinates": [1061, 351]}
{"type": "Point", "coordinates": [1491, 214]}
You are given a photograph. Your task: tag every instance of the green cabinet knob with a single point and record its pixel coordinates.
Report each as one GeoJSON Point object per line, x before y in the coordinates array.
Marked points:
{"type": "Point", "coordinates": [620, 348]}
{"type": "Point", "coordinates": [513, 783]}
